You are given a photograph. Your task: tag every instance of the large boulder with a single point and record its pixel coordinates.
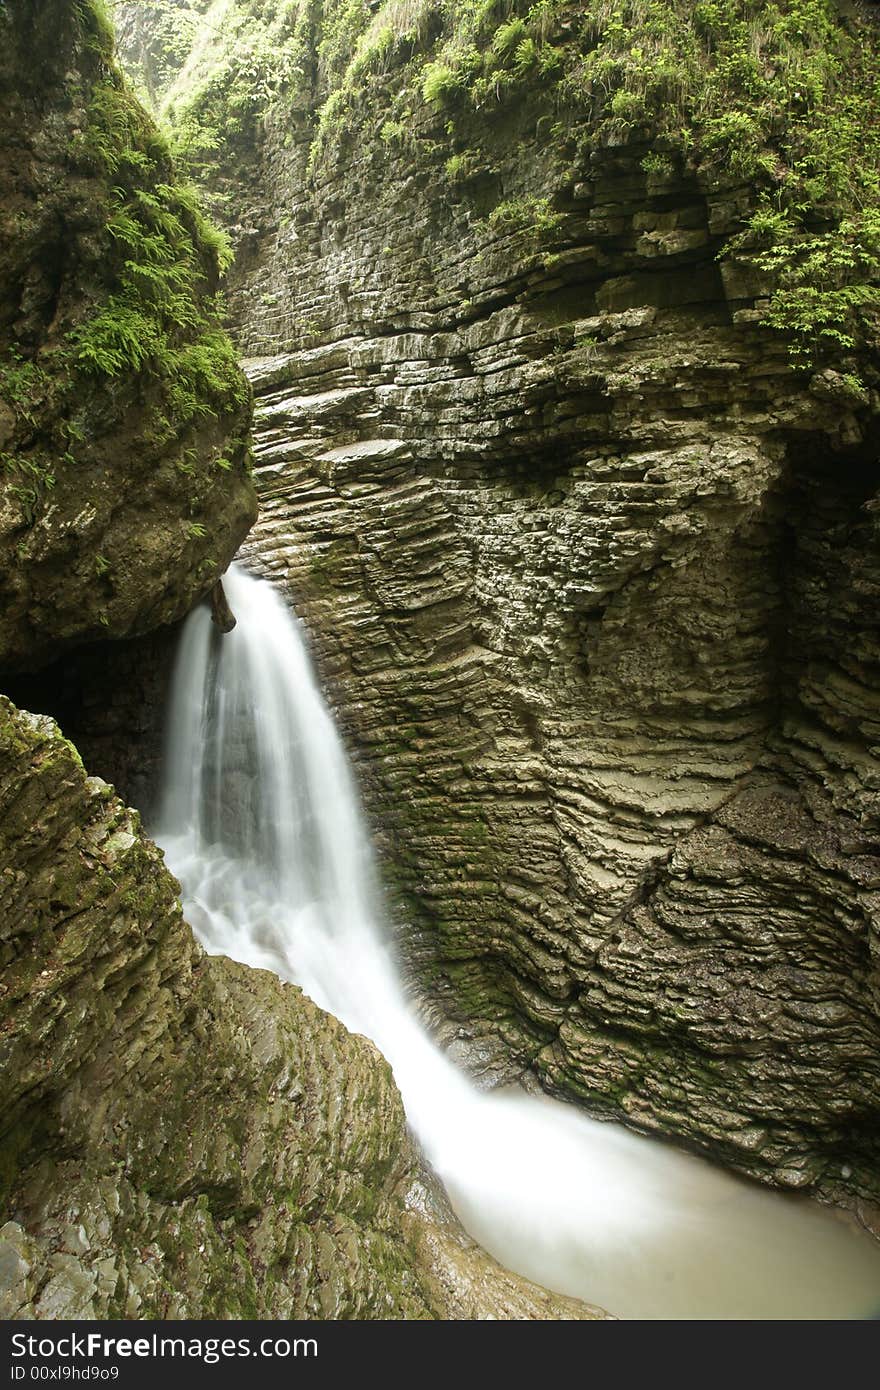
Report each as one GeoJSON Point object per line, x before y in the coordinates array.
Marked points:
{"type": "Point", "coordinates": [124, 419]}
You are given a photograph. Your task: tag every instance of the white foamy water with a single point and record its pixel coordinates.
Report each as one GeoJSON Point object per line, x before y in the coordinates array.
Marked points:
{"type": "Point", "coordinates": [260, 822]}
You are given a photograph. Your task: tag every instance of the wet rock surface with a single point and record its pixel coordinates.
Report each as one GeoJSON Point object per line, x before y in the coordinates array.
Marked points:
{"type": "Point", "coordinates": [615, 735]}
{"type": "Point", "coordinates": [184, 1136]}
{"type": "Point", "coordinates": [180, 1136]}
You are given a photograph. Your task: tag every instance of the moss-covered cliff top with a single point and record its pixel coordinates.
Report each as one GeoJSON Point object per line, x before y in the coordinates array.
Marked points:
{"type": "Point", "coordinates": [783, 96]}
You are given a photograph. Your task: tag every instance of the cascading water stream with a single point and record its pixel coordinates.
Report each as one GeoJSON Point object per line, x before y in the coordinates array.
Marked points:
{"type": "Point", "coordinates": [260, 822]}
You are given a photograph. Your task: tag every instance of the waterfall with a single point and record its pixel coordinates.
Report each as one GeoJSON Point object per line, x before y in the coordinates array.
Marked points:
{"type": "Point", "coordinates": [259, 820]}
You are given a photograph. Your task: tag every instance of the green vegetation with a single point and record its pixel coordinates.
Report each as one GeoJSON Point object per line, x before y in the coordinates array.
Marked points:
{"type": "Point", "coordinates": [439, 82]}
{"type": "Point", "coordinates": [165, 260]}
{"type": "Point", "coordinates": [95, 24]}
{"type": "Point", "coordinates": [29, 479]}
{"type": "Point", "coordinates": [253, 54]}
{"type": "Point", "coordinates": [782, 96]}
{"type": "Point", "coordinates": [172, 30]}
{"type": "Point", "coordinates": [827, 283]}
{"type": "Point", "coordinates": [531, 216]}
{"type": "Point", "coordinates": [141, 307]}
{"type": "Point", "coordinates": [23, 386]}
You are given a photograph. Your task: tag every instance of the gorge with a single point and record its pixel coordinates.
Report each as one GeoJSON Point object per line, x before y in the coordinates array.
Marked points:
{"type": "Point", "coordinates": [259, 822]}
{"type": "Point", "coordinates": [561, 325]}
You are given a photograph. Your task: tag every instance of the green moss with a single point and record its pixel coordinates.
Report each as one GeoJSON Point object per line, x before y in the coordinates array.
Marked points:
{"type": "Point", "coordinates": [164, 261]}
{"type": "Point", "coordinates": [782, 96]}
{"type": "Point", "coordinates": [141, 310]}
{"type": "Point", "coordinates": [96, 24]}
{"type": "Point", "coordinates": [119, 136]}
{"type": "Point", "coordinates": [18, 1144]}
{"type": "Point", "coordinates": [327, 567]}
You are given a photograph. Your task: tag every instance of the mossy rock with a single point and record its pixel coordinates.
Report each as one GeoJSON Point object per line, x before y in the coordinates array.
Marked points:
{"type": "Point", "coordinates": [183, 1136]}
{"type": "Point", "coordinates": [124, 419]}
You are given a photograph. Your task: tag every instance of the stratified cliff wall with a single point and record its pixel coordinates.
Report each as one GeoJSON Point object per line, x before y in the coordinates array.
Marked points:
{"type": "Point", "coordinates": [566, 450]}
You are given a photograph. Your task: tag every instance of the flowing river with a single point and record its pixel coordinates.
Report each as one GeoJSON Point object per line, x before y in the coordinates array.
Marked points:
{"type": "Point", "coordinates": [260, 822]}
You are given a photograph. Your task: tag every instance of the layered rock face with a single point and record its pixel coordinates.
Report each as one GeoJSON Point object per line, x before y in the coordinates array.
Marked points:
{"type": "Point", "coordinates": [591, 574]}
{"type": "Point", "coordinates": [186, 1137]}
{"type": "Point", "coordinates": [124, 421]}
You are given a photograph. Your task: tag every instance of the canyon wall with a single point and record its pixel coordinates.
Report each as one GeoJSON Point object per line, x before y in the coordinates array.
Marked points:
{"type": "Point", "coordinates": [579, 505]}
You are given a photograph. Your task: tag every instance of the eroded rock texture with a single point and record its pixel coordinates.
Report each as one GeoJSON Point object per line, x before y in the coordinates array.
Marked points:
{"type": "Point", "coordinates": [124, 421]}
{"type": "Point", "coordinates": [183, 1136]}
{"type": "Point", "coordinates": [591, 574]}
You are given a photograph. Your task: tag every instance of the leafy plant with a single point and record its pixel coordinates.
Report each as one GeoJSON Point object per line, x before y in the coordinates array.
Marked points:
{"type": "Point", "coordinates": [440, 82]}
{"type": "Point", "coordinates": [530, 215]}
{"type": "Point", "coordinates": [827, 284]}
{"type": "Point", "coordinates": [31, 478]}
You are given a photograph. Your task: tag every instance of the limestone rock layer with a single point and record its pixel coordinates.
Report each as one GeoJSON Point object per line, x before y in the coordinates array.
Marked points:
{"type": "Point", "coordinates": [180, 1136]}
